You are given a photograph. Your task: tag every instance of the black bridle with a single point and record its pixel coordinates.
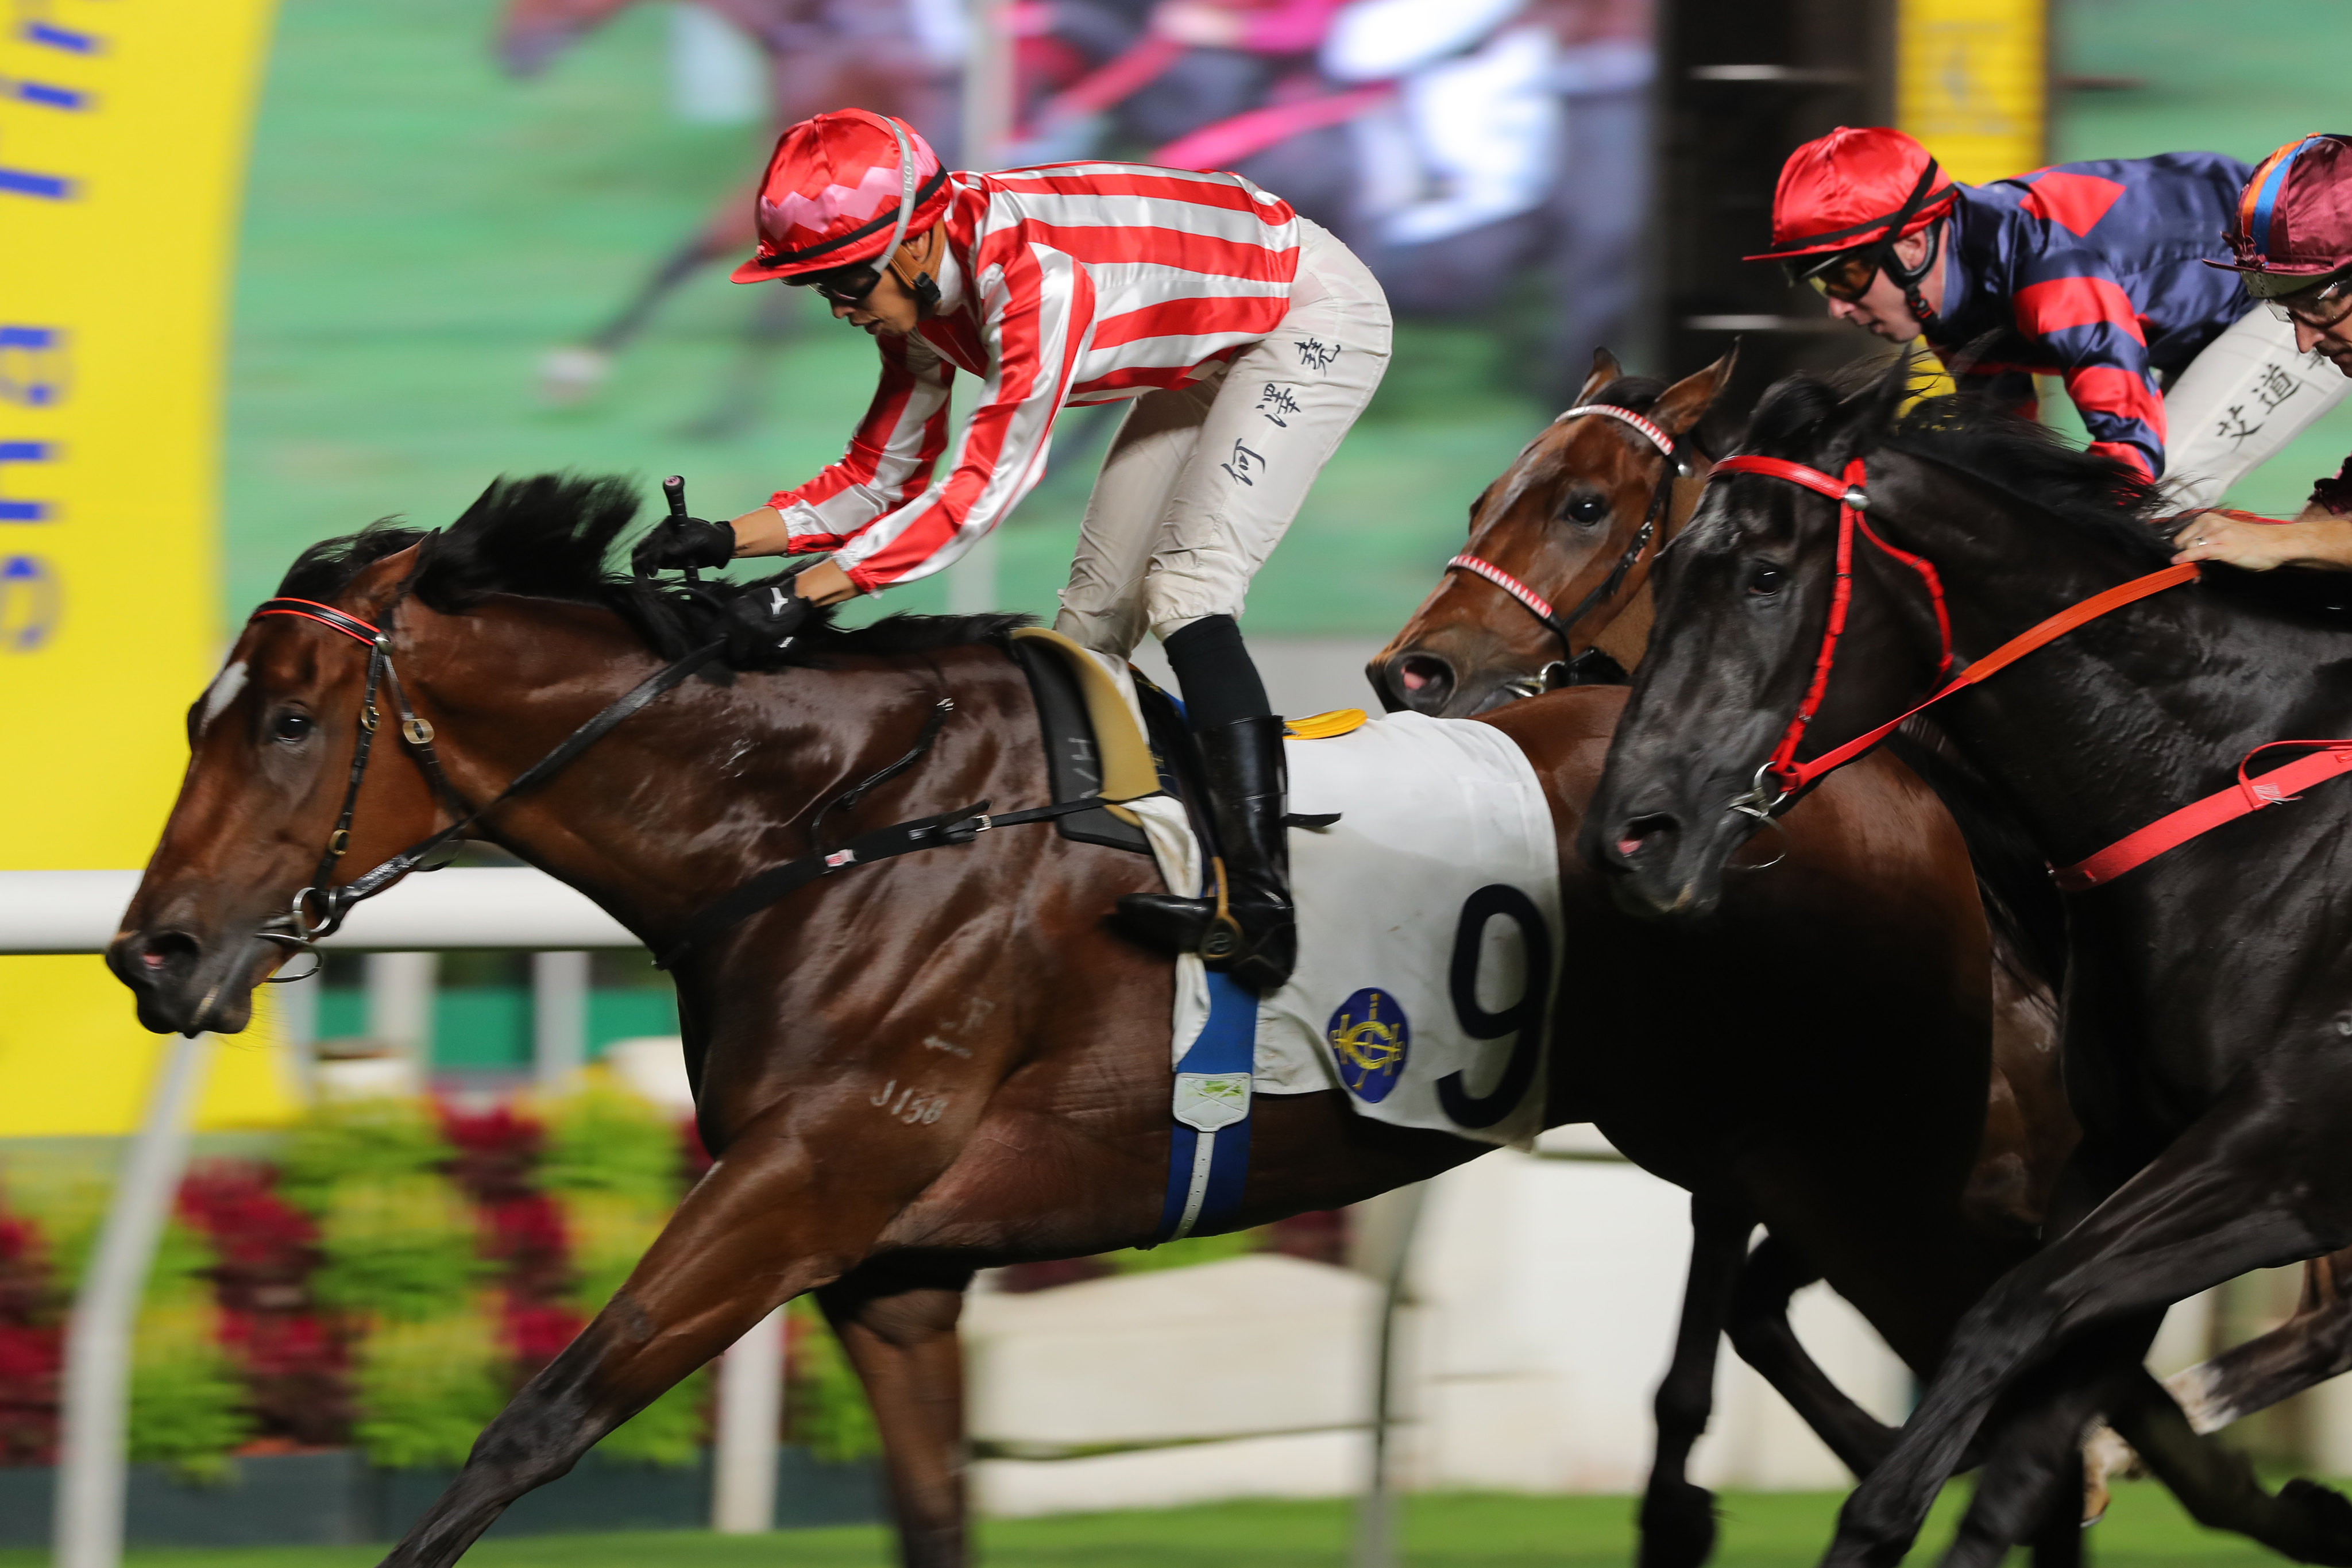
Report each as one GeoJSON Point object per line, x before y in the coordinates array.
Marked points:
{"type": "Point", "coordinates": [1591, 667]}
{"type": "Point", "coordinates": [296, 930]}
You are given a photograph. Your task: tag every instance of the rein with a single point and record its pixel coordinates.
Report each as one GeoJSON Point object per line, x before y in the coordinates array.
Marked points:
{"type": "Point", "coordinates": [295, 929]}
{"type": "Point", "coordinates": [1536, 604]}
{"type": "Point", "coordinates": [1791, 777]}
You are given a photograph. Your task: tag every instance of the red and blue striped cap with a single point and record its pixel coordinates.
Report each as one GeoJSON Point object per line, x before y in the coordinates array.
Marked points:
{"type": "Point", "coordinates": [2294, 223]}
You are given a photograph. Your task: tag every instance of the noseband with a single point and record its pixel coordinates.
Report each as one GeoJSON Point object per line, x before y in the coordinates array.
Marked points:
{"type": "Point", "coordinates": [1591, 665]}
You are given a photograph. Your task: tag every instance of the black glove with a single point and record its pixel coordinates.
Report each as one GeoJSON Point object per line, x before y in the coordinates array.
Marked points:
{"type": "Point", "coordinates": [761, 622]}
{"type": "Point", "coordinates": [680, 542]}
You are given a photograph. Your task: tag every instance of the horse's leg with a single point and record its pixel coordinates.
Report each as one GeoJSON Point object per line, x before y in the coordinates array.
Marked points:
{"type": "Point", "coordinates": [2217, 1486]}
{"type": "Point", "coordinates": [2238, 1189]}
{"type": "Point", "coordinates": [2311, 1347]}
{"type": "Point", "coordinates": [1678, 1519]}
{"type": "Point", "coordinates": [2029, 1491]}
{"type": "Point", "coordinates": [749, 1237]}
{"type": "Point", "coordinates": [1761, 1333]}
{"type": "Point", "coordinates": [900, 1335]}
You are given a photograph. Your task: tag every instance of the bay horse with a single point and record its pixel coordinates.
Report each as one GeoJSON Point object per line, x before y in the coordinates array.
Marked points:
{"type": "Point", "coordinates": [986, 978]}
{"type": "Point", "coordinates": [2206, 1002]}
{"type": "Point", "coordinates": [1578, 519]}
{"type": "Point", "coordinates": [820, 55]}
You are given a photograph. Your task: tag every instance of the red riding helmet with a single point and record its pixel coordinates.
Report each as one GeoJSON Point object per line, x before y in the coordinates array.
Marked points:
{"type": "Point", "coordinates": [2294, 226]}
{"type": "Point", "coordinates": [1848, 188]}
{"type": "Point", "coordinates": [840, 189]}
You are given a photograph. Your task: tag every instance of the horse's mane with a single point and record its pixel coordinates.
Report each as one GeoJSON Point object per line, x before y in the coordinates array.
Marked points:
{"type": "Point", "coordinates": [550, 536]}
{"type": "Point", "coordinates": [2021, 458]}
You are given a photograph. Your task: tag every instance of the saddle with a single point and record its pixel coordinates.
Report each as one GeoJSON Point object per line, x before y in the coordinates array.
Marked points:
{"type": "Point", "coordinates": [1093, 748]}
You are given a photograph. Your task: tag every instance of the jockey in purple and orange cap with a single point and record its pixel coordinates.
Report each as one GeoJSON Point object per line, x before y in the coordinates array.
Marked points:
{"type": "Point", "coordinates": [2085, 271]}
{"type": "Point", "coordinates": [2290, 242]}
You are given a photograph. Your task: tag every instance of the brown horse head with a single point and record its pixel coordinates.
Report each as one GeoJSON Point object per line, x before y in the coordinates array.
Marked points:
{"type": "Point", "coordinates": [269, 744]}
{"type": "Point", "coordinates": [1561, 521]}
{"type": "Point", "coordinates": [533, 32]}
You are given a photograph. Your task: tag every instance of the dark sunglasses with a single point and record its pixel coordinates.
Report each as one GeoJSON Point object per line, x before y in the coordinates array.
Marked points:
{"type": "Point", "coordinates": [1846, 275]}
{"type": "Point", "coordinates": [842, 285]}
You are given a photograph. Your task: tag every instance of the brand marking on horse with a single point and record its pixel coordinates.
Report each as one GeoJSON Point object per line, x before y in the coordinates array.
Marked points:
{"type": "Point", "coordinates": [908, 1105]}
{"type": "Point", "coordinates": [933, 1043]}
{"type": "Point", "coordinates": [225, 687]}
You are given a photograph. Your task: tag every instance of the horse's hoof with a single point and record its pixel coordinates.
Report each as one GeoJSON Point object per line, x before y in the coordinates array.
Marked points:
{"type": "Point", "coordinates": [1677, 1524]}
{"type": "Point", "coordinates": [2326, 1518]}
{"type": "Point", "coordinates": [573, 374]}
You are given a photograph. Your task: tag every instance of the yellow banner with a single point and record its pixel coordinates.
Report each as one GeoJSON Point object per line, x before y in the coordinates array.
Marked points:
{"type": "Point", "coordinates": [1972, 83]}
{"type": "Point", "coordinates": [123, 133]}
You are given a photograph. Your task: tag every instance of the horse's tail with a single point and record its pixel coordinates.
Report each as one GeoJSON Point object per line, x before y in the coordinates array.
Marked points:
{"type": "Point", "coordinates": [2021, 905]}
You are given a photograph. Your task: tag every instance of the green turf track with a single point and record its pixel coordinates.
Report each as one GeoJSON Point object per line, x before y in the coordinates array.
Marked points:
{"type": "Point", "coordinates": [419, 230]}
{"type": "Point", "coordinates": [1787, 1530]}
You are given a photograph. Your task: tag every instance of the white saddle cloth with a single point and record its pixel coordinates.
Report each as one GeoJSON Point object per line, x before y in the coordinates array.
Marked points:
{"type": "Point", "coordinates": [1427, 914]}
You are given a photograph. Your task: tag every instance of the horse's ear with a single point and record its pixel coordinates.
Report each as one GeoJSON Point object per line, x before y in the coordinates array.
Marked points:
{"type": "Point", "coordinates": [1686, 401]}
{"type": "Point", "coordinates": [1605, 369]}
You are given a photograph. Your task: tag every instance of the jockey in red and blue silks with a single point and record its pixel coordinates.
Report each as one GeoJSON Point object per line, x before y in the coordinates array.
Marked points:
{"type": "Point", "coordinates": [2092, 272]}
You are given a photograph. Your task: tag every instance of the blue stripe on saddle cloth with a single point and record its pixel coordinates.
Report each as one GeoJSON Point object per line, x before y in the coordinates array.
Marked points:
{"type": "Point", "coordinates": [1208, 1152]}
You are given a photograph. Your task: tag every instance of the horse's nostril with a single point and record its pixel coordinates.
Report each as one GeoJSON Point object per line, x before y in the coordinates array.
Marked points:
{"type": "Point", "coordinates": [1424, 673]}
{"type": "Point", "coordinates": [166, 948]}
{"type": "Point", "coordinates": [1640, 832]}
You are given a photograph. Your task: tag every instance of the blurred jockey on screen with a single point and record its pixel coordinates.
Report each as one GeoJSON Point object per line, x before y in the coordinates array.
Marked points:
{"type": "Point", "coordinates": [2291, 240]}
{"type": "Point", "coordinates": [2089, 271]}
{"type": "Point", "coordinates": [1248, 338]}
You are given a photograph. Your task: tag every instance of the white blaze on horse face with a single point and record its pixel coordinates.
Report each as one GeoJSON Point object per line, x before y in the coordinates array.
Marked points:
{"type": "Point", "coordinates": [225, 687]}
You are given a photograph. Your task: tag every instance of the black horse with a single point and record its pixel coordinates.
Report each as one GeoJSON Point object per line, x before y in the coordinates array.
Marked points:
{"type": "Point", "coordinates": [2208, 1007]}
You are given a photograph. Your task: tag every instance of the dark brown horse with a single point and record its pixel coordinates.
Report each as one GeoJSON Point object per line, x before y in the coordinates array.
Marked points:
{"type": "Point", "coordinates": [1051, 1133]}
{"type": "Point", "coordinates": [820, 55]}
{"type": "Point", "coordinates": [1561, 521]}
{"type": "Point", "coordinates": [2205, 996]}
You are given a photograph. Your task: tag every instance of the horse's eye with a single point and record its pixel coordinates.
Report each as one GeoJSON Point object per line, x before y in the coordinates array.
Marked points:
{"type": "Point", "coordinates": [1765, 581]}
{"type": "Point", "coordinates": [1586, 509]}
{"type": "Point", "coordinates": [292, 727]}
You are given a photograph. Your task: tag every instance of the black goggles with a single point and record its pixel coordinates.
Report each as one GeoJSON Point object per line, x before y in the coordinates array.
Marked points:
{"type": "Point", "coordinates": [842, 285]}
{"type": "Point", "coordinates": [1842, 275]}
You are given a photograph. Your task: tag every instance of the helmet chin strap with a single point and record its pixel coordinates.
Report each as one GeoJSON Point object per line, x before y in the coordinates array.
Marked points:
{"type": "Point", "coordinates": [1908, 278]}
{"type": "Point", "coordinates": [925, 289]}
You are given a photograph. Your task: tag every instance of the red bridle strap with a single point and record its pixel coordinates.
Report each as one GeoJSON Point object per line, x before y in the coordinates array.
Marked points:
{"type": "Point", "coordinates": [1792, 775]}
{"type": "Point", "coordinates": [327, 615]}
{"type": "Point", "coordinates": [1852, 500]}
{"type": "Point", "coordinates": [2242, 798]}
{"type": "Point", "coordinates": [1999, 660]}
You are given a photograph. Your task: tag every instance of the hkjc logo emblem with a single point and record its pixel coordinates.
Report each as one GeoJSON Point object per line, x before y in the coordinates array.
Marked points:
{"type": "Point", "coordinates": [1370, 1038]}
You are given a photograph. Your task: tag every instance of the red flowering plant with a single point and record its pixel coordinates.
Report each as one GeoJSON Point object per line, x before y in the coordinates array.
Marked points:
{"type": "Point", "coordinates": [294, 1364]}
{"type": "Point", "coordinates": [30, 1345]}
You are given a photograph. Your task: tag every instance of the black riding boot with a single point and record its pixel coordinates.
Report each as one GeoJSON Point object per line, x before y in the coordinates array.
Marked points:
{"type": "Point", "coordinates": [1252, 935]}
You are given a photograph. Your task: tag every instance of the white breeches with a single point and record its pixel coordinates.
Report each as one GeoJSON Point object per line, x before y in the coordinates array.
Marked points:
{"type": "Point", "coordinates": [1201, 481]}
{"type": "Point", "coordinates": [2239, 403]}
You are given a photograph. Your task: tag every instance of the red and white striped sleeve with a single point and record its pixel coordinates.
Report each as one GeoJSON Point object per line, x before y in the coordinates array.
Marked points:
{"type": "Point", "coordinates": [890, 458]}
{"type": "Point", "coordinates": [1037, 309]}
